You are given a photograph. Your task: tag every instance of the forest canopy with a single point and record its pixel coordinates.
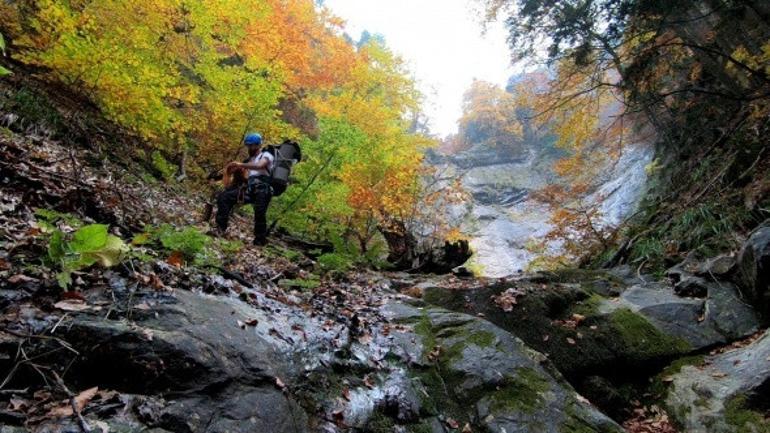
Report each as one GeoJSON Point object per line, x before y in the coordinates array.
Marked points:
{"type": "Point", "coordinates": [191, 77]}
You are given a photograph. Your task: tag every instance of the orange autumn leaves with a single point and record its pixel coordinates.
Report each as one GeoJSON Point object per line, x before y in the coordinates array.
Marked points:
{"type": "Point", "coordinates": [189, 75]}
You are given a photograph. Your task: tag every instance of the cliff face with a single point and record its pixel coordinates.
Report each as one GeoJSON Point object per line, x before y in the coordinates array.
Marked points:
{"type": "Point", "coordinates": [502, 217]}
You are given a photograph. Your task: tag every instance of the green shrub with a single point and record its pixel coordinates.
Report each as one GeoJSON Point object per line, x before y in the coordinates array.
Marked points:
{"type": "Point", "coordinates": [33, 107]}
{"type": "Point", "coordinates": [335, 262]}
{"type": "Point", "coordinates": [190, 242]}
{"type": "Point", "coordinates": [165, 168]}
{"type": "Point", "coordinates": [87, 246]}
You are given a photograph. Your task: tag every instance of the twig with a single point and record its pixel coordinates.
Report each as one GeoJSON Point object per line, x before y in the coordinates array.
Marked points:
{"type": "Point", "coordinates": [13, 391]}
{"type": "Point", "coordinates": [75, 409]}
{"type": "Point", "coordinates": [43, 337]}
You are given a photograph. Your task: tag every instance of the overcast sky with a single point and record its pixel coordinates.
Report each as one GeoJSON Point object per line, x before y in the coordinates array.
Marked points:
{"type": "Point", "coordinates": [442, 42]}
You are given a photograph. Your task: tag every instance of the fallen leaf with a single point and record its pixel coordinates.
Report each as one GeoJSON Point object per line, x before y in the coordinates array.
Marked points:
{"type": "Point", "coordinates": [546, 337]}
{"type": "Point", "coordinates": [147, 334]}
{"type": "Point", "coordinates": [72, 305]}
{"type": "Point", "coordinates": [279, 383]}
{"type": "Point", "coordinates": [251, 322]}
{"type": "Point", "coordinates": [156, 283]}
{"type": "Point", "coordinates": [339, 416]}
{"type": "Point", "coordinates": [451, 423]}
{"type": "Point", "coordinates": [368, 381]}
{"type": "Point", "coordinates": [467, 428]}
{"type": "Point", "coordinates": [18, 404]}
{"type": "Point", "coordinates": [175, 259]}
{"type": "Point", "coordinates": [346, 393]}
{"type": "Point", "coordinates": [72, 295]}
{"type": "Point", "coordinates": [570, 341]}
{"type": "Point", "coordinates": [81, 400]}
{"type": "Point", "coordinates": [20, 278]}
{"type": "Point", "coordinates": [434, 354]}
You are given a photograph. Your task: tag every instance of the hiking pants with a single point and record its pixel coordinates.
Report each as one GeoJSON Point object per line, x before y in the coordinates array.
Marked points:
{"type": "Point", "coordinates": [258, 194]}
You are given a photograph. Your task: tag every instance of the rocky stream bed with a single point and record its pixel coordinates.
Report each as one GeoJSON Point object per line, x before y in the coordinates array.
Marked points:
{"type": "Point", "coordinates": [152, 345]}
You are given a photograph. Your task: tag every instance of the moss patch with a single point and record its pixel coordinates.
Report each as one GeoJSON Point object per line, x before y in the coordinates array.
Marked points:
{"type": "Point", "coordinates": [424, 328]}
{"type": "Point", "coordinates": [301, 284]}
{"type": "Point", "coordinates": [478, 338]}
{"type": "Point", "coordinates": [590, 306]}
{"type": "Point", "coordinates": [379, 423]}
{"type": "Point", "coordinates": [745, 420]}
{"type": "Point", "coordinates": [521, 393]}
{"type": "Point", "coordinates": [658, 387]}
{"type": "Point", "coordinates": [642, 340]}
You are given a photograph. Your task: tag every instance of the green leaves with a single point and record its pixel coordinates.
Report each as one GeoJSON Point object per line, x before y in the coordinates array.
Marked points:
{"type": "Point", "coordinates": [3, 71]}
{"type": "Point", "coordinates": [189, 242]}
{"type": "Point", "coordinates": [89, 245]}
{"type": "Point", "coordinates": [89, 238]}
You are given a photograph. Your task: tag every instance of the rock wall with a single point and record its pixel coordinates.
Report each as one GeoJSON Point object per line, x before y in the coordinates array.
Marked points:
{"type": "Point", "coordinates": [501, 217]}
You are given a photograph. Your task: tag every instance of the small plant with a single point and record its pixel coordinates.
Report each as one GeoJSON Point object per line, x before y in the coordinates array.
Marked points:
{"type": "Point", "coordinates": [309, 283]}
{"type": "Point", "coordinates": [229, 247]}
{"type": "Point", "coordinates": [165, 168]}
{"type": "Point", "coordinates": [89, 245]}
{"type": "Point", "coordinates": [3, 71]}
{"type": "Point", "coordinates": [188, 244]}
{"type": "Point", "coordinates": [334, 262]}
{"type": "Point", "coordinates": [48, 220]}
{"type": "Point", "coordinates": [188, 241]}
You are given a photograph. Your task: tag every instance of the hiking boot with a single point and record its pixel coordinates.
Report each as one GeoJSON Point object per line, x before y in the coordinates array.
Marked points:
{"type": "Point", "coordinates": [260, 242]}
{"type": "Point", "coordinates": [216, 232]}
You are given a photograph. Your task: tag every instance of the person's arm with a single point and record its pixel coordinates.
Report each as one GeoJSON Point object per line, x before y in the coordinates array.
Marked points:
{"type": "Point", "coordinates": [261, 164]}
{"type": "Point", "coordinates": [255, 166]}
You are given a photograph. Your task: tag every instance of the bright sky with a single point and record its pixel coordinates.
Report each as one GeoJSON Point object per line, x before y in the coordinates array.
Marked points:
{"type": "Point", "coordinates": [442, 42]}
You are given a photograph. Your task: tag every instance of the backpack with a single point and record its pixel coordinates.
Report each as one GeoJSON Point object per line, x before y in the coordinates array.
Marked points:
{"type": "Point", "coordinates": [285, 156]}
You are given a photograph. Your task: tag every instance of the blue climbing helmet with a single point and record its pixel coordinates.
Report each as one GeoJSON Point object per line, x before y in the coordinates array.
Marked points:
{"type": "Point", "coordinates": [252, 139]}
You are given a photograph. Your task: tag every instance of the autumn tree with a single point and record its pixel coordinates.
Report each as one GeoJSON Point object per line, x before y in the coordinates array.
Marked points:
{"type": "Point", "coordinates": [490, 116]}
{"type": "Point", "coordinates": [689, 69]}
{"type": "Point", "coordinates": [190, 77]}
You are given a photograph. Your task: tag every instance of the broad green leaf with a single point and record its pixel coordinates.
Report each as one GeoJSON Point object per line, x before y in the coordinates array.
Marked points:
{"type": "Point", "coordinates": [4, 72]}
{"type": "Point", "coordinates": [111, 253]}
{"type": "Point", "coordinates": [89, 238]}
{"type": "Point", "coordinates": [76, 262]}
{"type": "Point", "coordinates": [2, 43]}
{"type": "Point", "coordinates": [56, 246]}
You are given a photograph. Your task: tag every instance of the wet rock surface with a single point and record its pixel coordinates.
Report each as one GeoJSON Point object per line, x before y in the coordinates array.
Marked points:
{"type": "Point", "coordinates": [190, 362]}
{"type": "Point", "coordinates": [726, 393]}
{"type": "Point", "coordinates": [754, 269]}
{"type": "Point", "coordinates": [592, 323]}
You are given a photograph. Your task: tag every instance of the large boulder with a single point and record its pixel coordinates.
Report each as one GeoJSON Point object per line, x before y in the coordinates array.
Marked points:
{"type": "Point", "coordinates": [192, 363]}
{"type": "Point", "coordinates": [591, 323]}
{"type": "Point", "coordinates": [476, 373]}
{"type": "Point", "coordinates": [727, 393]}
{"type": "Point", "coordinates": [754, 270]}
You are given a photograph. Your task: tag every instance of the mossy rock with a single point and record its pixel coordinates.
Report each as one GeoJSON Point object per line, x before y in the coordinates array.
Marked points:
{"type": "Point", "coordinates": [479, 374]}
{"type": "Point", "coordinates": [744, 419]}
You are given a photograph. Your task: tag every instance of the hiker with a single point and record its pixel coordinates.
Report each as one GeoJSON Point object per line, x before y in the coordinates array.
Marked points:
{"type": "Point", "coordinates": [257, 190]}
